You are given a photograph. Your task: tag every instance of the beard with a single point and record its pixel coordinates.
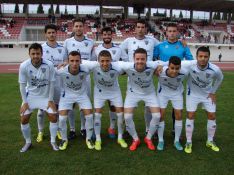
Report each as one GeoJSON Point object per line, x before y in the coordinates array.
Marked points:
{"type": "Point", "coordinates": [107, 41]}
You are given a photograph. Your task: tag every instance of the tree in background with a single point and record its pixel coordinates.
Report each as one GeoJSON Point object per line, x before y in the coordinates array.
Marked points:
{"type": "Point", "coordinates": [232, 16]}
{"type": "Point", "coordinates": [218, 16]}
{"type": "Point", "coordinates": [215, 16]}
{"type": "Point", "coordinates": [16, 8]}
{"type": "Point", "coordinates": [51, 10]}
{"type": "Point", "coordinates": [224, 16]}
{"type": "Point", "coordinates": [66, 13]}
{"type": "Point", "coordinates": [25, 8]}
{"type": "Point", "coordinates": [40, 9]}
{"type": "Point", "coordinates": [57, 11]}
{"type": "Point", "coordinates": [181, 14]}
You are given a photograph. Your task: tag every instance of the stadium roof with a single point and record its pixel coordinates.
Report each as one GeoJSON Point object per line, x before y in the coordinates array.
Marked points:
{"type": "Point", "coordinates": [198, 5]}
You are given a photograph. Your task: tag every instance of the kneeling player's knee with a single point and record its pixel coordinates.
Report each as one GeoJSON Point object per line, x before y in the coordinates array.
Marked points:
{"type": "Point", "coordinates": [52, 118]}
{"type": "Point", "coordinates": [191, 115]}
{"type": "Point", "coordinates": [24, 120]}
{"type": "Point", "coordinates": [178, 114]}
{"type": "Point", "coordinates": [211, 116]}
{"type": "Point", "coordinates": [87, 111]}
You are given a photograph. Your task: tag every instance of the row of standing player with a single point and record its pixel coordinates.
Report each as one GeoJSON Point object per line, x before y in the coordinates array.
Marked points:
{"type": "Point", "coordinates": [85, 45]}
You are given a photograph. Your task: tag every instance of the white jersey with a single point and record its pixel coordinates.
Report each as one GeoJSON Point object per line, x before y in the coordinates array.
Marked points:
{"type": "Point", "coordinates": [171, 86]}
{"type": "Point", "coordinates": [131, 44]}
{"type": "Point", "coordinates": [115, 51]}
{"type": "Point", "coordinates": [84, 47]}
{"type": "Point", "coordinates": [74, 85]}
{"type": "Point", "coordinates": [140, 82]}
{"type": "Point", "coordinates": [201, 82]}
{"type": "Point", "coordinates": [57, 55]}
{"type": "Point", "coordinates": [107, 82]}
{"type": "Point", "coordinates": [37, 79]}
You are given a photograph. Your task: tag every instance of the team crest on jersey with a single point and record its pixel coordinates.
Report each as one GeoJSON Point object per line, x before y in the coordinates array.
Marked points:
{"type": "Point", "coordinates": [43, 70]}
{"type": "Point", "coordinates": [98, 73]}
{"type": "Point", "coordinates": [178, 79]}
{"type": "Point", "coordinates": [114, 52]}
{"type": "Point", "coordinates": [165, 79]}
{"type": "Point", "coordinates": [73, 45]}
{"type": "Point", "coordinates": [146, 42]}
{"type": "Point", "coordinates": [30, 71]}
{"type": "Point", "coordinates": [166, 46]}
{"type": "Point", "coordinates": [133, 74]}
{"type": "Point", "coordinates": [177, 47]}
{"type": "Point", "coordinates": [67, 77]}
{"type": "Point", "coordinates": [112, 75]}
{"type": "Point", "coordinates": [81, 77]}
{"type": "Point", "coordinates": [60, 51]}
{"type": "Point", "coordinates": [134, 42]}
{"type": "Point", "coordinates": [194, 72]}
{"type": "Point", "coordinates": [47, 52]}
{"type": "Point", "coordinates": [147, 73]}
{"type": "Point", "coordinates": [86, 44]}
{"type": "Point", "coordinates": [207, 75]}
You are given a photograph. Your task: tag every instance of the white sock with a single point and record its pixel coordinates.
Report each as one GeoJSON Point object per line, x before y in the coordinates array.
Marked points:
{"type": "Point", "coordinates": [120, 124]}
{"type": "Point", "coordinates": [112, 119]}
{"type": "Point", "coordinates": [148, 118]}
{"type": "Point", "coordinates": [97, 126]}
{"type": "Point", "coordinates": [40, 120]}
{"type": "Point", "coordinates": [26, 131]}
{"type": "Point", "coordinates": [71, 118]}
{"type": "Point", "coordinates": [178, 129]}
{"type": "Point", "coordinates": [82, 121]}
{"type": "Point", "coordinates": [130, 126]}
{"type": "Point", "coordinates": [89, 126]}
{"type": "Point", "coordinates": [211, 128]}
{"type": "Point", "coordinates": [189, 130]}
{"type": "Point", "coordinates": [161, 128]}
{"type": "Point", "coordinates": [53, 131]}
{"type": "Point", "coordinates": [153, 124]}
{"type": "Point", "coordinates": [63, 126]}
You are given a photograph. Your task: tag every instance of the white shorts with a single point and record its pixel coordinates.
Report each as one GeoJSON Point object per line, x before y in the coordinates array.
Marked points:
{"type": "Point", "coordinates": [192, 103]}
{"type": "Point", "coordinates": [37, 103]}
{"type": "Point", "coordinates": [176, 100]}
{"type": "Point", "coordinates": [133, 98]}
{"type": "Point", "coordinates": [115, 100]}
{"type": "Point", "coordinates": [66, 103]}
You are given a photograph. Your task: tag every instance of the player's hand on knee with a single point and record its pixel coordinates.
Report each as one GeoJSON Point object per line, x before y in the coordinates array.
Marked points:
{"type": "Point", "coordinates": [52, 106]}
{"type": "Point", "coordinates": [213, 98]}
{"type": "Point", "coordinates": [24, 108]}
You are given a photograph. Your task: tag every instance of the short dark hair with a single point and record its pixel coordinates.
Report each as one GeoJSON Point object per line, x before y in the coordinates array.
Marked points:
{"type": "Point", "coordinates": [104, 53]}
{"type": "Point", "coordinates": [141, 21]}
{"type": "Point", "coordinates": [74, 53]}
{"type": "Point", "coordinates": [50, 26]}
{"type": "Point", "coordinates": [175, 60]}
{"type": "Point", "coordinates": [171, 25]}
{"type": "Point", "coordinates": [203, 49]}
{"type": "Point", "coordinates": [140, 50]}
{"type": "Point", "coordinates": [77, 20]}
{"type": "Point", "coordinates": [35, 46]}
{"type": "Point", "coordinates": [106, 29]}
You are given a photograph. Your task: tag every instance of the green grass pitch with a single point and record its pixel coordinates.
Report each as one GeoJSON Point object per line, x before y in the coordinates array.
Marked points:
{"type": "Point", "coordinates": [77, 159]}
